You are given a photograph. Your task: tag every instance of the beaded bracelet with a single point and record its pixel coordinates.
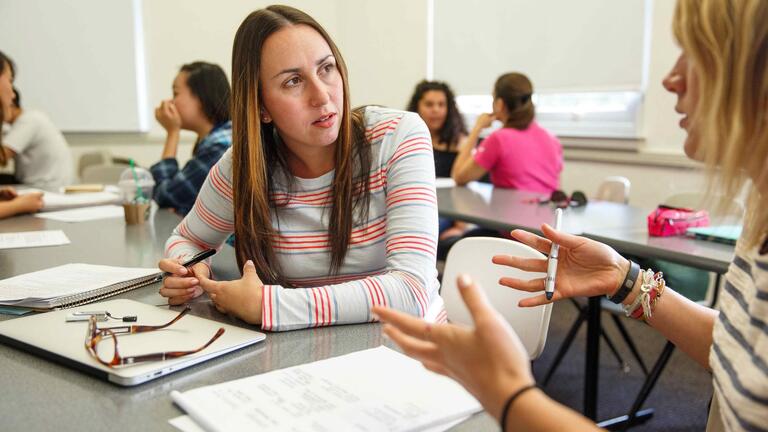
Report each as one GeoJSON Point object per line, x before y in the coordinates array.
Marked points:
{"type": "Point", "coordinates": [508, 404]}
{"type": "Point", "coordinates": [652, 287]}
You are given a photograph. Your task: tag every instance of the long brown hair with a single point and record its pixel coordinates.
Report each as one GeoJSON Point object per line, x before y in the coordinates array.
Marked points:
{"type": "Point", "coordinates": [726, 41]}
{"type": "Point", "coordinates": [516, 90]}
{"type": "Point", "coordinates": [259, 156]}
{"type": "Point", "coordinates": [5, 62]}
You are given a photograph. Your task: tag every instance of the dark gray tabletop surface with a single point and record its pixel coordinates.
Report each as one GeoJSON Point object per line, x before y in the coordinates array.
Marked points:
{"type": "Point", "coordinates": [42, 395]}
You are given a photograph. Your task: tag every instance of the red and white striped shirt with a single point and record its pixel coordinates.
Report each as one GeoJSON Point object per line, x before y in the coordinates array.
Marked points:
{"type": "Point", "coordinates": [391, 256]}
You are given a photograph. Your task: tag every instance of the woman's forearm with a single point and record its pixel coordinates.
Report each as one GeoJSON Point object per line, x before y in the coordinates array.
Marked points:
{"type": "Point", "coordinates": [686, 324]}
{"type": "Point", "coordinates": [464, 158]}
{"type": "Point", "coordinates": [535, 411]}
{"type": "Point", "coordinates": [171, 144]}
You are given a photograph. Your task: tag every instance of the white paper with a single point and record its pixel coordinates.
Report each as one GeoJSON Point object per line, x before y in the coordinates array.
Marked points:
{"type": "Point", "coordinates": [185, 424]}
{"type": "Point", "coordinates": [374, 390]}
{"type": "Point", "coordinates": [58, 201]}
{"type": "Point", "coordinates": [66, 280]}
{"type": "Point", "coordinates": [84, 214]}
{"type": "Point", "coordinates": [28, 239]}
{"type": "Point", "coordinates": [444, 182]}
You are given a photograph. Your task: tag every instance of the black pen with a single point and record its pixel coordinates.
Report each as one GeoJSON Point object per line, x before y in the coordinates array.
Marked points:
{"type": "Point", "coordinates": [192, 261]}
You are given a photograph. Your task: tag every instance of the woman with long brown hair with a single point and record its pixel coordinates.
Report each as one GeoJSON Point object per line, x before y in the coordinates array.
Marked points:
{"type": "Point", "coordinates": [333, 210]}
{"type": "Point", "coordinates": [721, 86]}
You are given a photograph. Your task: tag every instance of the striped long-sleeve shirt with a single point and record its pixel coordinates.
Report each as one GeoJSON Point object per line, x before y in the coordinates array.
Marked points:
{"type": "Point", "coordinates": [391, 256]}
{"type": "Point", "coordinates": [739, 355]}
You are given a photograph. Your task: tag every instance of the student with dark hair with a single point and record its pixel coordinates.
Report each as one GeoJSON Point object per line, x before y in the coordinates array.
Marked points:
{"type": "Point", "coordinates": [201, 98]}
{"type": "Point", "coordinates": [39, 151]}
{"type": "Point", "coordinates": [435, 103]}
{"type": "Point", "coordinates": [334, 209]}
{"type": "Point", "coordinates": [520, 155]}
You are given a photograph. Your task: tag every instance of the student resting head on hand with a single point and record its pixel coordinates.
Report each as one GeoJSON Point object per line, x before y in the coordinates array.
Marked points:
{"type": "Point", "coordinates": [201, 99]}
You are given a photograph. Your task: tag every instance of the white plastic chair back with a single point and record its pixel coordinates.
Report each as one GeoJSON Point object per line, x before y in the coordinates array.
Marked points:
{"type": "Point", "coordinates": [106, 174]}
{"type": "Point", "coordinates": [614, 189]}
{"type": "Point", "coordinates": [101, 157]}
{"type": "Point", "coordinates": [473, 256]}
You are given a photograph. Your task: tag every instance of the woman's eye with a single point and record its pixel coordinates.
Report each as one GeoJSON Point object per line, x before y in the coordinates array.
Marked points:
{"type": "Point", "coordinates": [328, 67]}
{"type": "Point", "coordinates": [293, 82]}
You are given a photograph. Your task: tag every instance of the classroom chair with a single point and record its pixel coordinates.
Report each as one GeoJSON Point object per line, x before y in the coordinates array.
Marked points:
{"type": "Point", "coordinates": [473, 257]}
{"type": "Point", "coordinates": [614, 189]}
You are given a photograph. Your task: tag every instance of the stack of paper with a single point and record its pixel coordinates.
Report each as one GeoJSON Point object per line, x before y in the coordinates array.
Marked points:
{"type": "Point", "coordinates": [374, 390]}
{"type": "Point", "coordinates": [84, 214]}
{"type": "Point", "coordinates": [72, 285]}
{"type": "Point", "coordinates": [58, 201]}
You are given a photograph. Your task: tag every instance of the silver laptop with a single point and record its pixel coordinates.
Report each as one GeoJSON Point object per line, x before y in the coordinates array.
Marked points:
{"type": "Point", "coordinates": [49, 335]}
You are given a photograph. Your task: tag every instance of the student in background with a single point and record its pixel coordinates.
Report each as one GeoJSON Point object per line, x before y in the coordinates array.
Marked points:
{"type": "Point", "coordinates": [40, 153]}
{"type": "Point", "coordinates": [201, 98]}
{"type": "Point", "coordinates": [434, 101]}
{"type": "Point", "coordinates": [722, 93]}
{"type": "Point", "coordinates": [12, 203]}
{"type": "Point", "coordinates": [334, 210]}
{"type": "Point", "coordinates": [521, 155]}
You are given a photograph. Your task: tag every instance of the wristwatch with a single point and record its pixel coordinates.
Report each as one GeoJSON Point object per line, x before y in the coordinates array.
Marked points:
{"type": "Point", "coordinates": [628, 284]}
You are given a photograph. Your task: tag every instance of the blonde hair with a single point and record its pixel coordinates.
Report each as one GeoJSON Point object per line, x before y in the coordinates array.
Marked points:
{"type": "Point", "coordinates": [727, 43]}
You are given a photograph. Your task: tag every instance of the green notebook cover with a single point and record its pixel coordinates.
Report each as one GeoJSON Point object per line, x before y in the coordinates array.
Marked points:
{"type": "Point", "coordinates": [720, 233]}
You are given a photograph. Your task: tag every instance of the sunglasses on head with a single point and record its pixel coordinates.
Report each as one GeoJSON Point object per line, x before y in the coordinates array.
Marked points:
{"type": "Point", "coordinates": [561, 200]}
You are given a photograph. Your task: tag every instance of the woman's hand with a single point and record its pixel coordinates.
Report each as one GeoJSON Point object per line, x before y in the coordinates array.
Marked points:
{"type": "Point", "coordinates": [240, 298]}
{"type": "Point", "coordinates": [585, 267]}
{"type": "Point", "coordinates": [184, 284]}
{"type": "Point", "coordinates": [28, 202]}
{"type": "Point", "coordinates": [484, 120]}
{"type": "Point", "coordinates": [168, 116]}
{"type": "Point", "coordinates": [488, 360]}
{"type": "Point", "coordinates": [7, 193]}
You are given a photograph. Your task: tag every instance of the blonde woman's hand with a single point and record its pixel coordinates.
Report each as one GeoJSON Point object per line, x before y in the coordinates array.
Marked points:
{"type": "Point", "coordinates": [168, 116]}
{"type": "Point", "coordinates": [183, 284]}
{"type": "Point", "coordinates": [488, 360]}
{"type": "Point", "coordinates": [240, 298]}
{"type": "Point", "coordinates": [585, 267]}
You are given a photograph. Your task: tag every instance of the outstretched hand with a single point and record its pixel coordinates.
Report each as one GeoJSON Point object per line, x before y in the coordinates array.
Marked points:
{"type": "Point", "coordinates": [585, 267]}
{"type": "Point", "coordinates": [488, 360]}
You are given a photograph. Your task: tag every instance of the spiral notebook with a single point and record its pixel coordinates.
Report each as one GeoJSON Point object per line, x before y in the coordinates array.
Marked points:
{"type": "Point", "coordinates": [72, 285]}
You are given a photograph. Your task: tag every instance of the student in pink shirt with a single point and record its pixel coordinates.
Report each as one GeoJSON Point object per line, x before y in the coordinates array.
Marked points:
{"type": "Point", "coordinates": [521, 155]}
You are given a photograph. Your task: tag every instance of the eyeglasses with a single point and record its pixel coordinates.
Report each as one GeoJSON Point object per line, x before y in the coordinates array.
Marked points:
{"type": "Point", "coordinates": [561, 200]}
{"type": "Point", "coordinates": [96, 335]}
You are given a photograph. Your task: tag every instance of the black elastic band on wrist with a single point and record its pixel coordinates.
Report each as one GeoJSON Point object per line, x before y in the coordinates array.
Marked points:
{"type": "Point", "coordinates": [508, 404]}
{"type": "Point", "coordinates": [628, 284]}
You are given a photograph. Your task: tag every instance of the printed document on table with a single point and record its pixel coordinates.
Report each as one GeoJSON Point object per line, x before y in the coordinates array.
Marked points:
{"type": "Point", "coordinates": [59, 201]}
{"type": "Point", "coordinates": [374, 390]}
{"type": "Point", "coordinates": [27, 239]}
{"type": "Point", "coordinates": [84, 214]}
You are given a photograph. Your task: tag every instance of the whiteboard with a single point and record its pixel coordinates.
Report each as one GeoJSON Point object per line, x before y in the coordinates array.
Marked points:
{"type": "Point", "coordinates": [80, 61]}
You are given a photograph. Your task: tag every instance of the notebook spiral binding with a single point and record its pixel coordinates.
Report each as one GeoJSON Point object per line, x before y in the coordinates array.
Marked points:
{"type": "Point", "coordinates": [105, 292]}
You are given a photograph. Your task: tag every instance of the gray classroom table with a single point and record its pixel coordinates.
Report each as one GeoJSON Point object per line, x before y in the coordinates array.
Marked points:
{"type": "Point", "coordinates": [42, 395]}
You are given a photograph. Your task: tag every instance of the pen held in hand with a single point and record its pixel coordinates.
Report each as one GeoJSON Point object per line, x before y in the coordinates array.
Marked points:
{"type": "Point", "coordinates": [549, 285]}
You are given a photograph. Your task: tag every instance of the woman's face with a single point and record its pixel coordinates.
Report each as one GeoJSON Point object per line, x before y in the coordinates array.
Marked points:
{"type": "Point", "coordinates": [433, 109]}
{"type": "Point", "coordinates": [301, 88]}
{"type": "Point", "coordinates": [683, 81]}
{"type": "Point", "coordinates": [187, 104]}
{"type": "Point", "coordinates": [6, 90]}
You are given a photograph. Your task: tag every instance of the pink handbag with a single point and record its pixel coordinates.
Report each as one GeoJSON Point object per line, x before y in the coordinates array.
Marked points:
{"type": "Point", "coordinates": [670, 221]}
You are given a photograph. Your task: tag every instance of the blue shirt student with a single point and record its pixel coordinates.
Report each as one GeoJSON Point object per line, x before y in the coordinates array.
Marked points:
{"type": "Point", "coordinates": [178, 188]}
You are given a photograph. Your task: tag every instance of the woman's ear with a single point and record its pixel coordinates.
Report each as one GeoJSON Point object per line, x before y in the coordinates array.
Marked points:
{"type": "Point", "coordinates": [265, 117]}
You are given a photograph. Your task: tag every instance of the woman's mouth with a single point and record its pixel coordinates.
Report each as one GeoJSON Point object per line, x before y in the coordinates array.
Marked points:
{"type": "Point", "coordinates": [325, 121]}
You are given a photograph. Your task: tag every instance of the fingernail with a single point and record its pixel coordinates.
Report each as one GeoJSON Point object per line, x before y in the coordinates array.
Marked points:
{"type": "Point", "coordinates": [194, 281]}
{"type": "Point", "coordinates": [375, 316]}
{"type": "Point", "coordinates": [465, 280]}
{"type": "Point", "coordinates": [191, 290]}
{"type": "Point", "coordinates": [249, 263]}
